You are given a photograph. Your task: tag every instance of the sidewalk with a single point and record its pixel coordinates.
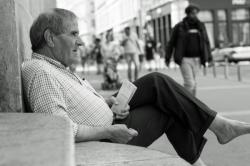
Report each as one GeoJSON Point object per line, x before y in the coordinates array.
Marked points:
{"type": "Point", "coordinates": [225, 96]}
{"type": "Point", "coordinates": [204, 82]}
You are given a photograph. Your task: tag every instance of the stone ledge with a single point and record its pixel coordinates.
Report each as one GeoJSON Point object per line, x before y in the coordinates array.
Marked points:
{"type": "Point", "coordinates": [35, 140]}
{"type": "Point", "coordinates": [110, 154]}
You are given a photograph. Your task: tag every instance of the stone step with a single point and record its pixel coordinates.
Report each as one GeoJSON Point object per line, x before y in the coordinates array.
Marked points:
{"type": "Point", "coordinates": [30, 139]}
{"type": "Point", "coordinates": [111, 154]}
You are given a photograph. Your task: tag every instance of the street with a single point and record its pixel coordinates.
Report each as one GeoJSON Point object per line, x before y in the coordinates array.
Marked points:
{"type": "Point", "coordinates": [228, 97]}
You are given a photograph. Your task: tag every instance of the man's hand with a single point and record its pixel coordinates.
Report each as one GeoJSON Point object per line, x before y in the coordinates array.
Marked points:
{"type": "Point", "coordinates": [116, 133]}
{"type": "Point", "coordinates": [121, 134]}
{"type": "Point", "coordinates": [119, 114]}
{"type": "Point", "coordinates": [110, 101]}
{"type": "Point", "coordinates": [122, 114]}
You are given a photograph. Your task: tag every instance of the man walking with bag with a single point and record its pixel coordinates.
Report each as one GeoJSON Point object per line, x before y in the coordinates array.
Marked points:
{"type": "Point", "coordinates": [191, 48]}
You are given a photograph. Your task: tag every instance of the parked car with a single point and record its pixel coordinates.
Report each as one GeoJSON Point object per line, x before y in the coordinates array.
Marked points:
{"type": "Point", "coordinates": [234, 54]}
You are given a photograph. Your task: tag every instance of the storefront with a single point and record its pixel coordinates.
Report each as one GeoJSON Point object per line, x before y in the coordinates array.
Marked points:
{"type": "Point", "coordinates": [162, 18]}
{"type": "Point", "coordinates": [160, 24]}
{"type": "Point", "coordinates": [227, 21]}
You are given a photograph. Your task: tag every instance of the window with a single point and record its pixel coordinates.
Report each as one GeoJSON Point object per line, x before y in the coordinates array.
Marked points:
{"type": "Point", "coordinates": [159, 30]}
{"type": "Point", "coordinates": [154, 27]}
{"type": "Point", "coordinates": [222, 28]}
{"type": "Point", "coordinates": [164, 31]}
{"type": "Point", "coordinates": [207, 18]}
{"type": "Point", "coordinates": [241, 35]}
{"type": "Point", "coordinates": [241, 26]}
{"type": "Point", "coordinates": [240, 14]}
{"type": "Point", "coordinates": [221, 14]}
{"type": "Point", "coordinates": [210, 33]}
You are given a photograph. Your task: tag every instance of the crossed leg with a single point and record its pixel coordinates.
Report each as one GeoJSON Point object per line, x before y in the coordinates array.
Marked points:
{"type": "Point", "coordinates": [160, 105]}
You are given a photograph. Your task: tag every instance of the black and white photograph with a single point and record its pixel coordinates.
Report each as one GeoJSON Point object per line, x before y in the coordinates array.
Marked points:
{"type": "Point", "coordinates": [124, 82]}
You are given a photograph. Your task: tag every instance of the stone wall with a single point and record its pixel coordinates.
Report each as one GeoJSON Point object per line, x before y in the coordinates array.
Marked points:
{"type": "Point", "coordinates": [16, 18]}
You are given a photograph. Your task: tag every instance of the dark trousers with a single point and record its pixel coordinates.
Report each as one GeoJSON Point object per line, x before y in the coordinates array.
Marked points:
{"type": "Point", "coordinates": [160, 105]}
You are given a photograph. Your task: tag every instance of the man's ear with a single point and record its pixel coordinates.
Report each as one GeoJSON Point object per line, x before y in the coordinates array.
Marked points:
{"type": "Point", "coordinates": [49, 38]}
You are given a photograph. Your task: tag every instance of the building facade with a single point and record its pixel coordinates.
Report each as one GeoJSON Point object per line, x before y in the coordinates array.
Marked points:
{"type": "Point", "coordinates": [115, 14]}
{"type": "Point", "coordinates": [16, 19]}
{"type": "Point", "coordinates": [227, 21]}
{"type": "Point", "coordinates": [163, 15]}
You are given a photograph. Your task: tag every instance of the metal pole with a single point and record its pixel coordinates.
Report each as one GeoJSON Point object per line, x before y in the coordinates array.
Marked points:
{"type": "Point", "coordinates": [205, 71]}
{"type": "Point", "coordinates": [214, 70]}
{"type": "Point", "coordinates": [239, 73]}
{"type": "Point", "coordinates": [226, 70]}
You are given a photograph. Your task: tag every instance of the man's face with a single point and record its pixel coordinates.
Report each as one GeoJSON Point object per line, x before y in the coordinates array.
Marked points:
{"type": "Point", "coordinates": [193, 14]}
{"type": "Point", "coordinates": [127, 32]}
{"type": "Point", "coordinates": [67, 44]}
{"type": "Point", "coordinates": [110, 37]}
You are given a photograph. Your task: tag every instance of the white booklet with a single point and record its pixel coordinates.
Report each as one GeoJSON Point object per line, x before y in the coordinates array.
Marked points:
{"type": "Point", "coordinates": [124, 95]}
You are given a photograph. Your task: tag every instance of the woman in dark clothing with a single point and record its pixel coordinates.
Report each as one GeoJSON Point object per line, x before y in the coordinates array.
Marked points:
{"type": "Point", "coordinates": [98, 55]}
{"type": "Point", "coordinates": [150, 46]}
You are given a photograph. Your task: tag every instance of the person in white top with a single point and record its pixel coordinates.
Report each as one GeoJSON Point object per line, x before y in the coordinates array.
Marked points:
{"type": "Point", "coordinates": [131, 52]}
{"type": "Point", "coordinates": [110, 51]}
{"type": "Point", "coordinates": [109, 47]}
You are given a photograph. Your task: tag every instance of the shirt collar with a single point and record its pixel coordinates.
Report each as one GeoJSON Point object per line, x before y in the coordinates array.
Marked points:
{"type": "Point", "coordinates": [60, 65]}
{"type": "Point", "coordinates": [50, 60]}
{"type": "Point", "coordinates": [56, 64]}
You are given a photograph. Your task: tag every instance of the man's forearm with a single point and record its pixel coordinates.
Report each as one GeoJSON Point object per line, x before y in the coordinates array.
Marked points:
{"type": "Point", "coordinates": [87, 133]}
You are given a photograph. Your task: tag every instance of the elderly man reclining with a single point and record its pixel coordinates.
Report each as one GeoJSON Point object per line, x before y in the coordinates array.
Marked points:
{"type": "Point", "coordinates": [159, 106]}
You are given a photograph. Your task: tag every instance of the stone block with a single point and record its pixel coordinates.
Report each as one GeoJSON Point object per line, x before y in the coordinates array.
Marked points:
{"type": "Point", "coordinates": [35, 140]}
{"type": "Point", "coordinates": [10, 91]}
{"type": "Point", "coordinates": [111, 154]}
{"type": "Point", "coordinates": [16, 18]}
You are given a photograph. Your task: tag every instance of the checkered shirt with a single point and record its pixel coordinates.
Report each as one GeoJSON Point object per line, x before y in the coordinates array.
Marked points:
{"type": "Point", "coordinates": [52, 89]}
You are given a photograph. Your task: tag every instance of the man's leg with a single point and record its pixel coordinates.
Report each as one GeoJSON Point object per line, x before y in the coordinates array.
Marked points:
{"type": "Point", "coordinates": [150, 65]}
{"type": "Point", "coordinates": [148, 121]}
{"type": "Point", "coordinates": [171, 98]}
{"type": "Point", "coordinates": [135, 59]}
{"type": "Point", "coordinates": [99, 64]}
{"type": "Point", "coordinates": [195, 68]}
{"type": "Point", "coordinates": [151, 124]}
{"type": "Point", "coordinates": [128, 59]}
{"type": "Point", "coordinates": [199, 162]}
{"type": "Point", "coordinates": [188, 74]}
{"type": "Point", "coordinates": [188, 118]}
{"type": "Point", "coordinates": [226, 129]}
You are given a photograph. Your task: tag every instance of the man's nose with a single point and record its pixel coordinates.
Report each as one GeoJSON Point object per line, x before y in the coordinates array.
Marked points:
{"type": "Point", "coordinates": [79, 42]}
